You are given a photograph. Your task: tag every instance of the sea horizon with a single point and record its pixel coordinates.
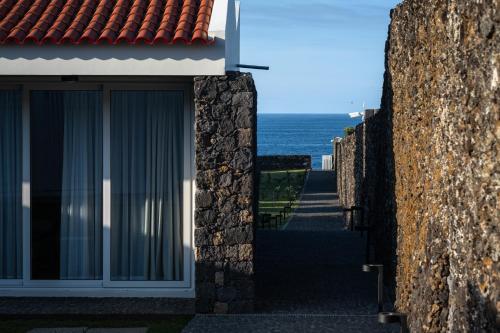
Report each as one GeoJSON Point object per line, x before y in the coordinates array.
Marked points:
{"type": "Point", "coordinates": [300, 133]}
{"type": "Point", "coordinates": [301, 113]}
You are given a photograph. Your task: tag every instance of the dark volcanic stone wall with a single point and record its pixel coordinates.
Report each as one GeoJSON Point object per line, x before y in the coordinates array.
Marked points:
{"type": "Point", "coordinates": [346, 170]}
{"type": "Point", "coordinates": [365, 177]}
{"type": "Point", "coordinates": [437, 164]}
{"type": "Point", "coordinates": [378, 197]}
{"type": "Point", "coordinates": [443, 61]}
{"type": "Point", "coordinates": [226, 147]}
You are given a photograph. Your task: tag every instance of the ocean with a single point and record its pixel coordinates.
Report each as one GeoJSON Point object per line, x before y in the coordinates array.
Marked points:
{"type": "Point", "coordinates": [300, 134]}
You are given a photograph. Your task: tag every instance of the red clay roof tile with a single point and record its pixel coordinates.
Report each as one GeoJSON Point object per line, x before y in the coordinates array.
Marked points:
{"type": "Point", "coordinates": [13, 16]}
{"type": "Point", "coordinates": [165, 32]}
{"type": "Point", "coordinates": [203, 20]}
{"type": "Point", "coordinates": [23, 27]}
{"type": "Point", "coordinates": [5, 7]}
{"type": "Point", "coordinates": [105, 21]}
{"type": "Point", "coordinates": [151, 22]}
{"type": "Point", "coordinates": [185, 27]}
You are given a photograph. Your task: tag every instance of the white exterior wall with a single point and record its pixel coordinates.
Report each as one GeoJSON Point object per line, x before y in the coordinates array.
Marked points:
{"type": "Point", "coordinates": [233, 36]}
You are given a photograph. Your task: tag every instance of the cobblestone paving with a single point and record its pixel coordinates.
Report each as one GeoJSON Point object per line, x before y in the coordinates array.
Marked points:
{"type": "Point", "coordinates": [285, 323]}
{"type": "Point", "coordinates": [308, 276]}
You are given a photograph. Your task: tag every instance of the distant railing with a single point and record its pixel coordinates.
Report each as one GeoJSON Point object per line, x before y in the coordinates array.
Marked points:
{"type": "Point", "coordinates": [284, 162]}
{"type": "Point", "coordinates": [327, 162]}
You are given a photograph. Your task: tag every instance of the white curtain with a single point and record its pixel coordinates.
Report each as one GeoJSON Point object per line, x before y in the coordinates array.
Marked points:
{"type": "Point", "coordinates": [10, 185]}
{"type": "Point", "coordinates": [146, 185]}
{"type": "Point", "coordinates": [81, 195]}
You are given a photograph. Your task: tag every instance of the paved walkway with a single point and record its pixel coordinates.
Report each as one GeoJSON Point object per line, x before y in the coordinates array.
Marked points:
{"type": "Point", "coordinates": [319, 208]}
{"type": "Point", "coordinates": [89, 330]}
{"type": "Point", "coordinates": [309, 275]}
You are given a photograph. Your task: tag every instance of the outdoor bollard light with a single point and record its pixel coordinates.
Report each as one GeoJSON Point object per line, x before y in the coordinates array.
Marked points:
{"type": "Point", "coordinates": [352, 210]}
{"type": "Point", "coordinates": [394, 318]}
{"type": "Point", "coordinates": [380, 288]}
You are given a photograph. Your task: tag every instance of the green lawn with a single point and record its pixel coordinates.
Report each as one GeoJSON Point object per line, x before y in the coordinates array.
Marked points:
{"type": "Point", "coordinates": [170, 324]}
{"type": "Point", "coordinates": [279, 189]}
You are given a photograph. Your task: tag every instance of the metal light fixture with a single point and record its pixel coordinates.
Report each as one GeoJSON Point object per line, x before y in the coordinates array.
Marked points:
{"type": "Point", "coordinates": [380, 286]}
{"type": "Point", "coordinates": [385, 317]}
{"type": "Point", "coordinates": [70, 78]}
{"type": "Point", "coordinates": [264, 68]}
{"type": "Point", "coordinates": [394, 318]}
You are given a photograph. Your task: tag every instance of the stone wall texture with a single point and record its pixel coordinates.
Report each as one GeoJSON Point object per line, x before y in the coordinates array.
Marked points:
{"type": "Point", "coordinates": [350, 166]}
{"type": "Point", "coordinates": [365, 178]}
{"type": "Point", "coordinates": [344, 167]}
{"type": "Point", "coordinates": [443, 60]}
{"type": "Point", "coordinates": [226, 147]}
{"type": "Point", "coordinates": [436, 164]}
{"type": "Point", "coordinates": [284, 162]}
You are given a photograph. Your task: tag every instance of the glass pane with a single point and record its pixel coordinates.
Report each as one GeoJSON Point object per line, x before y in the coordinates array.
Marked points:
{"type": "Point", "coordinates": [146, 185]}
{"type": "Point", "coordinates": [10, 185]}
{"type": "Point", "coordinates": [66, 185]}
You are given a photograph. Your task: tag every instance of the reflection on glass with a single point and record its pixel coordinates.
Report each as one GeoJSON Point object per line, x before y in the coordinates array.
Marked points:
{"type": "Point", "coordinates": [66, 185]}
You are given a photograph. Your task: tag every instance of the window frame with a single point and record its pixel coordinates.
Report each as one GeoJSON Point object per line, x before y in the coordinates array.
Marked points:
{"type": "Point", "coordinates": [106, 287]}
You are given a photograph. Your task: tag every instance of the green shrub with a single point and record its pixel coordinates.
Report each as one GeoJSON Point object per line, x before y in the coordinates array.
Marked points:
{"type": "Point", "coordinates": [348, 131]}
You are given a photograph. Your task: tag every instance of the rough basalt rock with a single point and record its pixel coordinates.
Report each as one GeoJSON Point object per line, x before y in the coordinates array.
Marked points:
{"type": "Point", "coordinates": [364, 164]}
{"type": "Point", "coordinates": [226, 147]}
{"type": "Point", "coordinates": [442, 61]}
{"type": "Point", "coordinates": [435, 161]}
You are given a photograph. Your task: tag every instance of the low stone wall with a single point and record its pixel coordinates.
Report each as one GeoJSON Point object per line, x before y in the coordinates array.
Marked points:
{"type": "Point", "coordinates": [284, 162]}
{"type": "Point", "coordinates": [226, 148]}
{"type": "Point", "coordinates": [431, 176]}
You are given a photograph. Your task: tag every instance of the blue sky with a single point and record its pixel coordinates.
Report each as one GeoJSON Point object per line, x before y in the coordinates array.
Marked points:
{"type": "Point", "coordinates": [326, 56]}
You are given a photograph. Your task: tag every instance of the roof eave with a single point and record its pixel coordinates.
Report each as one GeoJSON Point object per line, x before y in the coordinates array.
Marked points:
{"type": "Point", "coordinates": [132, 60]}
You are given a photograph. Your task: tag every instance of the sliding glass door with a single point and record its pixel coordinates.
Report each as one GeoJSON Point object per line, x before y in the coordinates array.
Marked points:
{"type": "Point", "coordinates": [96, 190]}
{"type": "Point", "coordinates": [66, 185]}
{"type": "Point", "coordinates": [147, 172]}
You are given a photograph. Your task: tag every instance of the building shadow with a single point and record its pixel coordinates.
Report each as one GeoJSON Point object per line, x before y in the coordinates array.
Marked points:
{"type": "Point", "coordinates": [314, 265]}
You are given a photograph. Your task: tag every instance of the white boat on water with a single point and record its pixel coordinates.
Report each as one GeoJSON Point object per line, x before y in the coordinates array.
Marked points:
{"type": "Point", "coordinates": [356, 114]}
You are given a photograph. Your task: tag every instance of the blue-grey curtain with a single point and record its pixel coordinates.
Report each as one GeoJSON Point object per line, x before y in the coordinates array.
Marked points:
{"type": "Point", "coordinates": [81, 193]}
{"type": "Point", "coordinates": [146, 185]}
{"type": "Point", "coordinates": [10, 185]}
